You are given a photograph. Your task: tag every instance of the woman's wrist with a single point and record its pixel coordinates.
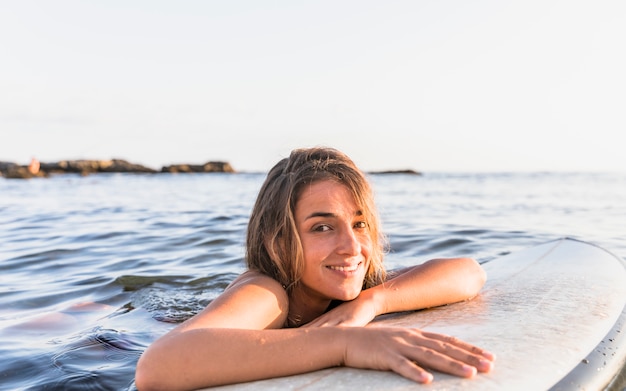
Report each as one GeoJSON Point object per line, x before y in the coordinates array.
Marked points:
{"type": "Point", "coordinates": [375, 297]}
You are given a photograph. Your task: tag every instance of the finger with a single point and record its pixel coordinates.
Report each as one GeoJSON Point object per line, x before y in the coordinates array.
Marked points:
{"type": "Point", "coordinates": [441, 362]}
{"type": "Point", "coordinates": [460, 351]}
{"type": "Point", "coordinates": [319, 323]}
{"type": "Point", "coordinates": [461, 344]}
{"type": "Point", "coordinates": [328, 322]}
{"type": "Point", "coordinates": [412, 371]}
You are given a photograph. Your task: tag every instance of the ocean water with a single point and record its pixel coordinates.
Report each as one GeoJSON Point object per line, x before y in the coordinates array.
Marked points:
{"type": "Point", "coordinates": [93, 269]}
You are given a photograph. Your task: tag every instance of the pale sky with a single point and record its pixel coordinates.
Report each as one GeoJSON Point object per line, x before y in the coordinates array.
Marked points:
{"type": "Point", "coordinates": [429, 85]}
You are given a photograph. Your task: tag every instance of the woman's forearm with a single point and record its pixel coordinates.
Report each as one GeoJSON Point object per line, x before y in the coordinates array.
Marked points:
{"type": "Point", "coordinates": [213, 356]}
{"type": "Point", "coordinates": [434, 283]}
{"type": "Point", "coordinates": [208, 357]}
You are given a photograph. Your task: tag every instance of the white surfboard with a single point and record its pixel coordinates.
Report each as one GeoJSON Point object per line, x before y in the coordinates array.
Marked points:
{"type": "Point", "coordinates": [553, 314]}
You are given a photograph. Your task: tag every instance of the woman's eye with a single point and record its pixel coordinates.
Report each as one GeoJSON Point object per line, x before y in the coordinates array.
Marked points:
{"type": "Point", "coordinates": [321, 228]}
{"type": "Point", "coordinates": [360, 224]}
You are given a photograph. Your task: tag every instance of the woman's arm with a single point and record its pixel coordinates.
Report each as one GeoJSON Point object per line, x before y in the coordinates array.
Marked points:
{"type": "Point", "coordinates": [196, 353]}
{"type": "Point", "coordinates": [209, 357]}
{"type": "Point", "coordinates": [434, 283]}
{"type": "Point", "coordinates": [235, 340]}
{"type": "Point", "coordinates": [206, 357]}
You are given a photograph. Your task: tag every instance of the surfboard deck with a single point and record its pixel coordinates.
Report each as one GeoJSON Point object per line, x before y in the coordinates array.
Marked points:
{"type": "Point", "coordinates": [553, 314]}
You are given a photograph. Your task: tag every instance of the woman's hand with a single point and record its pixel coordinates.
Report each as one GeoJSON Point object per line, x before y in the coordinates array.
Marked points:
{"type": "Point", "coordinates": [409, 351]}
{"type": "Point", "coordinates": [355, 313]}
{"type": "Point", "coordinates": [350, 314]}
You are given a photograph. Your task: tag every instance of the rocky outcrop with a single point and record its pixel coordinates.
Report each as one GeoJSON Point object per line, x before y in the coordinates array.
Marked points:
{"type": "Point", "coordinates": [406, 172]}
{"type": "Point", "coordinates": [15, 171]}
{"type": "Point", "coordinates": [86, 167]}
{"type": "Point", "coordinates": [207, 167]}
{"type": "Point", "coordinates": [6, 166]}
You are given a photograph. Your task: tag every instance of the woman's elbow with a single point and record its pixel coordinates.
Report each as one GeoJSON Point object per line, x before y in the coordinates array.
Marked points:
{"type": "Point", "coordinates": [475, 277]}
{"type": "Point", "coordinates": [150, 376]}
{"type": "Point", "coordinates": [145, 377]}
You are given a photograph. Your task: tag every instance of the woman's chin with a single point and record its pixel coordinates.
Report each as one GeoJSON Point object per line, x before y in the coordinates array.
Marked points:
{"type": "Point", "coordinates": [348, 295]}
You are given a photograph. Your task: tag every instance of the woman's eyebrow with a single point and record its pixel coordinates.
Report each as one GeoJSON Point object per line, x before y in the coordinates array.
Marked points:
{"type": "Point", "coordinates": [320, 214]}
{"type": "Point", "coordinates": [329, 214]}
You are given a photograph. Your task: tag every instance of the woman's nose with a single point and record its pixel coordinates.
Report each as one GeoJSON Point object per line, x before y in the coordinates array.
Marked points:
{"type": "Point", "coordinates": [349, 243]}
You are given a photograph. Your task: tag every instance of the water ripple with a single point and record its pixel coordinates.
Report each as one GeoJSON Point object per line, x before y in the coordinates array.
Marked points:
{"type": "Point", "coordinates": [93, 269]}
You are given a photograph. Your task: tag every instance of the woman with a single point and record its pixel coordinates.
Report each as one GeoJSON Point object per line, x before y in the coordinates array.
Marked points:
{"type": "Point", "coordinates": [315, 278]}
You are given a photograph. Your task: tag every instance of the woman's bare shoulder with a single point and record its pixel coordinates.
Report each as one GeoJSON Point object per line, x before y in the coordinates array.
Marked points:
{"type": "Point", "coordinates": [252, 300]}
{"type": "Point", "coordinates": [252, 277]}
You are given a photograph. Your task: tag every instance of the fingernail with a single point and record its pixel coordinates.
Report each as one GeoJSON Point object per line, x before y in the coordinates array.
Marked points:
{"type": "Point", "coordinates": [426, 377]}
{"type": "Point", "coordinates": [489, 355]}
{"type": "Point", "coordinates": [469, 370]}
{"type": "Point", "coordinates": [485, 365]}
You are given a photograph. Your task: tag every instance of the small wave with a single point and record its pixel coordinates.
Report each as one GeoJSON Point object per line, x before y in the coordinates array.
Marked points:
{"type": "Point", "coordinates": [90, 361]}
{"type": "Point", "coordinates": [447, 243]}
{"type": "Point", "coordinates": [133, 283]}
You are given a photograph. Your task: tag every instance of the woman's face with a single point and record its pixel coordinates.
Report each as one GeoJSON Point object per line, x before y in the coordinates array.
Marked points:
{"type": "Point", "coordinates": [336, 242]}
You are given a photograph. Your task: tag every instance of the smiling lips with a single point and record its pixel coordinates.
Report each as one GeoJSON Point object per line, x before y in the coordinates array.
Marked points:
{"type": "Point", "coordinates": [345, 268]}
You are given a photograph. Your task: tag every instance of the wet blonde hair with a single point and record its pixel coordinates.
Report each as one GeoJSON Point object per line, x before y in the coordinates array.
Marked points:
{"type": "Point", "coordinates": [273, 246]}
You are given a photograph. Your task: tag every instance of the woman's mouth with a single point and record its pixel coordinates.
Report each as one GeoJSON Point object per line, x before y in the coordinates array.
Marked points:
{"type": "Point", "coordinates": [345, 269]}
